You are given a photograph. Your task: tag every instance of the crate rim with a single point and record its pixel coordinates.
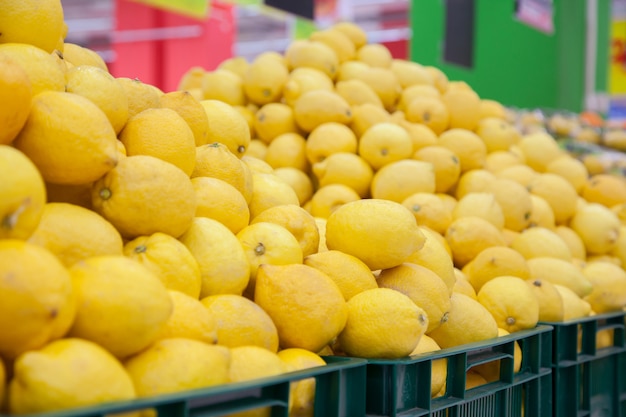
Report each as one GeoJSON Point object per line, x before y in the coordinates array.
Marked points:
{"type": "Point", "coordinates": [580, 320]}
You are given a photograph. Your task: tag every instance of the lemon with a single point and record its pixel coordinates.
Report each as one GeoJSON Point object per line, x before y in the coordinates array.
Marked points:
{"type": "Point", "coordinates": [468, 236]}
{"type": "Point", "coordinates": [435, 256]}
{"type": "Point", "coordinates": [605, 189]}
{"type": "Point", "coordinates": [327, 139]}
{"type": "Point", "coordinates": [462, 284]}
{"type": "Point", "coordinates": [143, 195]}
{"type": "Point", "coordinates": [493, 262]}
{"type": "Point", "coordinates": [440, 79]}
{"type": "Point", "coordinates": [140, 96]}
{"type": "Point", "coordinates": [78, 55]}
{"type": "Point", "coordinates": [609, 290]}
{"type": "Point", "coordinates": [317, 107]}
{"type": "Point", "coordinates": [189, 319]}
{"type": "Point", "coordinates": [558, 193]}
{"type": "Point", "coordinates": [353, 31]}
{"type": "Point", "coordinates": [223, 263]}
{"type": "Point", "coordinates": [273, 120]}
{"type": "Point", "coordinates": [346, 169]}
{"type": "Point", "coordinates": [573, 306]}
{"type": "Point", "coordinates": [558, 271]}
{"type": "Point", "coordinates": [375, 55]}
{"type": "Point", "coordinates": [256, 165]}
{"type": "Point", "coordinates": [515, 201]}
{"type": "Point", "coordinates": [410, 73]}
{"type": "Point", "coordinates": [168, 259]}
{"type": "Point", "coordinates": [539, 150]}
{"type": "Point", "coordinates": [178, 364]}
{"type": "Point", "coordinates": [468, 321]}
{"type": "Point", "coordinates": [256, 149]}
{"type": "Point", "coordinates": [37, 293]}
{"type": "Point", "coordinates": [429, 210]}
{"type": "Point", "coordinates": [597, 226]}
{"type": "Point", "coordinates": [264, 80]}
{"type": "Point", "coordinates": [190, 109]}
{"type": "Point", "coordinates": [237, 65]}
{"type": "Point", "coordinates": [490, 371]}
{"type": "Point", "coordinates": [302, 392]}
{"type": "Point", "coordinates": [221, 201]}
{"type": "Point", "coordinates": [511, 302]}
{"type": "Point", "coordinates": [398, 180]}
{"type": "Point", "coordinates": [328, 198]}
{"type": "Point", "coordinates": [298, 180]}
{"type": "Point", "coordinates": [15, 96]}
{"type": "Point", "coordinates": [321, 305]}
{"type": "Point", "coordinates": [483, 205]}
{"type": "Point", "coordinates": [216, 161]}
{"type": "Point", "coordinates": [299, 222]}
{"type": "Point", "coordinates": [381, 233]}
{"type": "Point", "coordinates": [68, 138]}
{"type": "Point", "coordinates": [41, 67]}
{"type": "Point", "coordinates": [191, 79]}
{"type": "Point", "coordinates": [467, 146]}
{"type": "Point", "coordinates": [32, 22]}
{"type": "Point", "coordinates": [241, 322]}
{"type": "Point", "coordinates": [541, 242]}
{"type": "Point", "coordinates": [497, 134]}
{"type": "Point", "coordinates": [439, 367]}
{"type": "Point", "coordinates": [573, 241]}
{"type": "Point", "coordinates": [414, 91]}
{"type": "Point", "coordinates": [382, 323]}
{"type": "Point", "coordinates": [312, 54]}
{"type": "Point", "coordinates": [357, 92]}
{"type": "Point", "coordinates": [365, 116]}
{"type": "Point", "coordinates": [136, 309]}
{"type": "Point", "coordinates": [268, 243]}
{"type": "Point", "coordinates": [349, 70]}
{"type": "Point", "coordinates": [446, 165]}
{"type": "Point", "coordinates": [551, 307]}
{"type": "Point", "coordinates": [288, 150]}
{"type": "Point", "coordinates": [431, 111]}
{"type": "Point", "coordinates": [571, 169]}
{"type": "Point", "coordinates": [338, 41]}
{"type": "Point", "coordinates": [476, 180]}
{"type": "Point", "coordinates": [464, 108]}
{"type": "Point", "coordinates": [385, 143]}
{"type": "Point", "coordinates": [385, 84]}
{"type": "Point", "coordinates": [223, 85]}
{"type": "Point", "coordinates": [73, 233]}
{"type": "Point", "coordinates": [421, 285]}
{"type": "Point", "coordinates": [227, 126]}
{"type": "Point", "coordinates": [60, 376]}
{"type": "Point", "coordinates": [268, 191]}
{"type": "Point", "coordinates": [305, 79]}
{"type": "Point", "coordinates": [498, 161]}
{"type": "Point", "coordinates": [23, 195]}
{"type": "Point", "coordinates": [542, 214]}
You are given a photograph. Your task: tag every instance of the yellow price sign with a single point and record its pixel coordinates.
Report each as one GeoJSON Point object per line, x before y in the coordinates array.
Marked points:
{"type": "Point", "coordinates": [193, 8]}
{"type": "Point", "coordinates": [617, 69]}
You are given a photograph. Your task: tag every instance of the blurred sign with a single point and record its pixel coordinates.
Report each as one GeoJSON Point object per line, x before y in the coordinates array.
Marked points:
{"type": "Point", "coordinates": [192, 8]}
{"type": "Point", "coordinates": [538, 14]}
{"type": "Point", "coordinates": [302, 8]}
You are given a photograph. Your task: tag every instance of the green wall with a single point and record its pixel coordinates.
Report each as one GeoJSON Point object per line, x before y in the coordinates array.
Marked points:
{"type": "Point", "coordinates": [514, 63]}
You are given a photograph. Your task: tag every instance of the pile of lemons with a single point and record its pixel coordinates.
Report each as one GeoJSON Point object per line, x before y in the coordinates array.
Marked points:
{"type": "Point", "coordinates": [331, 200]}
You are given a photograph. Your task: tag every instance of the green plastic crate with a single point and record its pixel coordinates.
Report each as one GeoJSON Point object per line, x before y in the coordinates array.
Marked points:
{"type": "Point", "coordinates": [588, 381]}
{"type": "Point", "coordinates": [339, 390]}
{"type": "Point", "coordinates": [402, 387]}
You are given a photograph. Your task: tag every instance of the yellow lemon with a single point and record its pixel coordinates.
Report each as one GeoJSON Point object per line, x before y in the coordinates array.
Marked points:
{"type": "Point", "coordinates": [191, 79]}
{"type": "Point", "coordinates": [304, 79]}
{"type": "Point", "coordinates": [490, 371]}
{"type": "Point", "coordinates": [353, 31]}
{"type": "Point", "coordinates": [382, 323]}
{"type": "Point", "coordinates": [571, 169]}
{"type": "Point", "coordinates": [462, 284]}
{"type": "Point", "coordinates": [385, 84]}
{"type": "Point", "coordinates": [468, 321]}
{"type": "Point", "coordinates": [396, 181]}
{"type": "Point", "coordinates": [68, 138]}
{"type": "Point", "coordinates": [189, 319]}
{"type": "Point", "coordinates": [608, 190]}
{"type": "Point", "coordinates": [168, 259]}
{"type": "Point", "coordinates": [221, 201]}
{"type": "Point", "coordinates": [223, 85]}
{"type": "Point", "coordinates": [264, 80]}
{"type": "Point", "coordinates": [178, 364]}
{"type": "Point", "coordinates": [493, 262]}
{"type": "Point", "coordinates": [60, 376]}
{"type": "Point", "coordinates": [302, 392]}
{"type": "Point", "coordinates": [511, 302]}
{"type": "Point", "coordinates": [299, 222]}
{"type": "Point", "coordinates": [312, 54]}
{"type": "Point", "coordinates": [381, 233]}
{"type": "Point", "coordinates": [237, 65]}
{"type": "Point", "coordinates": [597, 226]}
{"type": "Point", "coordinates": [338, 41]}
{"type": "Point", "coordinates": [431, 111]}
{"type": "Point", "coordinates": [573, 241]}
{"type": "Point", "coordinates": [241, 322]}
{"type": "Point", "coordinates": [274, 119]}
{"type": "Point", "coordinates": [288, 150]}
{"type": "Point", "coordinates": [550, 302]}
{"type": "Point", "coordinates": [327, 139]}
{"type": "Point", "coordinates": [365, 116]}
{"type": "Point", "coordinates": [321, 305]}
{"type": "Point", "coordinates": [440, 79]}
{"type": "Point", "coordinates": [318, 107]}
{"type": "Point", "coordinates": [350, 274]}
{"type": "Point", "coordinates": [37, 293]}
{"type": "Point", "coordinates": [347, 169]}
{"type": "Point", "coordinates": [298, 180]}
{"type": "Point", "coordinates": [375, 55]}
{"type": "Point", "coordinates": [515, 201]}
{"type": "Point", "coordinates": [73, 233]}
{"type": "Point", "coordinates": [468, 236]}
{"type": "Point", "coordinates": [421, 285]}
{"type": "Point", "coordinates": [541, 213]}
{"type": "Point", "coordinates": [350, 70]}
{"type": "Point", "coordinates": [143, 195]}
{"type": "Point", "coordinates": [414, 91]}
{"type": "Point", "coordinates": [558, 193]}
{"type": "Point", "coordinates": [227, 126]}
{"type": "Point", "coordinates": [573, 306]}
{"type": "Point", "coordinates": [561, 272]}
{"type": "Point", "coordinates": [384, 143]}
{"type": "Point", "coordinates": [540, 242]}
{"type": "Point", "coordinates": [492, 109]}
{"type": "Point", "coordinates": [435, 255]}
{"type": "Point", "coordinates": [421, 135]}
{"type": "Point", "coordinates": [329, 198]}
{"type": "Point", "coordinates": [429, 210]}
{"type": "Point", "coordinates": [216, 161]}
{"type": "Point", "coordinates": [498, 161]}
{"type": "Point", "coordinates": [268, 243]}
{"type": "Point", "coordinates": [497, 134]}
{"type": "Point", "coordinates": [22, 194]}
{"type": "Point", "coordinates": [483, 205]}
{"type": "Point", "coordinates": [140, 96]}
{"type": "Point", "coordinates": [439, 367]}
{"type": "Point", "coordinates": [539, 150]}
{"type": "Point", "coordinates": [609, 287]}
{"type": "Point", "coordinates": [136, 309]}
{"type": "Point", "coordinates": [223, 263]}
{"type": "Point", "coordinates": [79, 56]}
{"type": "Point", "coordinates": [15, 98]}
{"type": "Point", "coordinates": [357, 92]}
{"type": "Point", "coordinates": [32, 22]}
{"type": "Point", "coordinates": [411, 73]}
{"type": "Point", "coordinates": [474, 181]}
{"type": "Point", "coordinates": [190, 109]}
{"type": "Point", "coordinates": [256, 149]}
{"type": "Point", "coordinates": [464, 108]}
{"type": "Point", "coordinates": [467, 146]}
{"type": "Point", "coordinates": [41, 67]}
{"type": "Point", "coordinates": [446, 165]}
{"type": "Point", "coordinates": [268, 191]}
